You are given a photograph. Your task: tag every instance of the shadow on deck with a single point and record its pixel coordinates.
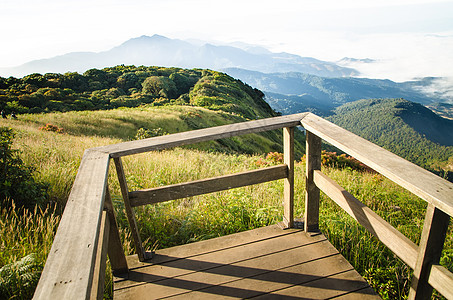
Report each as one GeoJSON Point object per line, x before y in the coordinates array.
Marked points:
{"type": "Point", "coordinates": [263, 263]}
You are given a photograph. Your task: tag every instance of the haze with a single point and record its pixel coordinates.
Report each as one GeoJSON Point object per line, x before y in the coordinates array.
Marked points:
{"type": "Point", "coordinates": [409, 39]}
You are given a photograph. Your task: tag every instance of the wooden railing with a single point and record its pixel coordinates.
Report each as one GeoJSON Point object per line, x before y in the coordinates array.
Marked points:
{"type": "Point", "coordinates": [88, 231]}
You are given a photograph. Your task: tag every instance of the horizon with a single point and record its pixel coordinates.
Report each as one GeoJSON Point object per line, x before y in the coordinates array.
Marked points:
{"type": "Point", "coordinates": [411, 39]}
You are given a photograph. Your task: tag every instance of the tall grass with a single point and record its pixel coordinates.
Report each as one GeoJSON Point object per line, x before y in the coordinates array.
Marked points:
{"type": "Point", "coordinates": [26, 237]}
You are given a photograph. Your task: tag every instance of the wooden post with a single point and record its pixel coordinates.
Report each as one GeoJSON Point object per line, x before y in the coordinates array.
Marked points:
{"type": "Point", "coordinates": [115, 247]}
{"type": "Point", "coordinates": [97, 288]}
{"type": "Point", "coordinates": [288, 193]}
{"type": "Point", "coordinates": [313, 156]}
{"type": "Point", "coordinates": [129, 212]}
{"type": "Point", "coordinates": [430, 250]}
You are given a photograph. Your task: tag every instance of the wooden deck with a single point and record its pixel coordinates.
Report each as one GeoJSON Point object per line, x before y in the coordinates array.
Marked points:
{"type": "Point", "coordinates": [263, 263]}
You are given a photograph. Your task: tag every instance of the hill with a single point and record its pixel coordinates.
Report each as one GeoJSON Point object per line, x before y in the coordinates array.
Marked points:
{"type": "Point", "coordinates": [158, 50]}
{"type": "Point", "coordinates": [408, 129]}
{"type": "Point", "coordinates": [130, 86]}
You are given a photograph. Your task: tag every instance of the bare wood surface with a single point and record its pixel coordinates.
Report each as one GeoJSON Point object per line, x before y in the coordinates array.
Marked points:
{"type": "Point", "coordinates": [201, 135]}
{"type": "Point", "coordinates": [115, 247]}
{"type": "Point", "coordinates": [442, 280]}
{"type": "Point", "coordinates": [289, 263]}
{"type": "Point", "coordinates": [97, 289]}
{"type": "Point", "coordinates": [205, 186]}
{"type": "Point", "coordinates": [313, 162]}
{"type": "Point", "coordinates": [68, 273]}
{"type": "Point", "coordinates": [129, 211]}
{"type": "Point", "coordinates": [419, 181]}
{"type": "Point", "coordinates": [209, 246]}
{"type": "Point", "coordinates": [392, 238]}
{"type": "Point", "coordinates": [430, 249]}
{"type": "Point", "coordinates": [288, 192]}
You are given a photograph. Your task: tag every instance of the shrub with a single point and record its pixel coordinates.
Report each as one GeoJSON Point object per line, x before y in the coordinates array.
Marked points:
{"type": "Point", "coordinates": [342, 161]}
{"type": "Point", "coordinates": [18, 280]}
{"type": "Point", "coordinates": [16, 180]}
{"type": "Point", "coordinates": [143, 133]}
{"type": "Point", "coordinates": [50, 127]}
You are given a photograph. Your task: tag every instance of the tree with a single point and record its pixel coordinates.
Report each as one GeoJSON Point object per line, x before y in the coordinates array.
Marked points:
{"type": "Point", "coordinates": [159, 86]}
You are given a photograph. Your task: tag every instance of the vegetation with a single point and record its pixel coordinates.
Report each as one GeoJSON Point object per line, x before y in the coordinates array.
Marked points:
{"type": "Point", "coordinates": [130, 86]}
{"type": "Point", "coordinates": [53, 143]}
{"type": "Point", "coordinates": [403, 127]}
{"type": "Point", "coordinates": [16, 179]}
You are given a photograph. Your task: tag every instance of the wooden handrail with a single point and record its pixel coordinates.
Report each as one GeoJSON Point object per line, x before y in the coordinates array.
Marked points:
{"type": "Point", "coordinates": [415, 179]}
{"type": "Point", "coordinates": [205, 186]}
{"type": "Point", "coordinates": [437, 191]}
{"type": "Point", "coordinates": [88, 228]}
{"type": "Point", "coordinates": [71, 267]}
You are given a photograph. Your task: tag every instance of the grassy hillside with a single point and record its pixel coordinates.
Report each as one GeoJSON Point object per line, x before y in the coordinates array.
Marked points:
{"type": "Point", "coordinates": [86, 129]}
{"type": "Point", "coordinates": [406, 128]}
{"type": "Point", "coordinates": [56, 157]}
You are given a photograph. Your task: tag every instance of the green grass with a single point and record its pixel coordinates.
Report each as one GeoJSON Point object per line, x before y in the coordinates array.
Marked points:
{"type": "Point", "coordinates": [57, 157]}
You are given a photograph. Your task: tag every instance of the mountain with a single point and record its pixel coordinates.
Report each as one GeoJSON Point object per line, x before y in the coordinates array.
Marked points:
{"type": "Point", "coordinates": [294, 92]}
{"type": "Point", "coordinates": [406, 128]}
{"type": "Point", "coordinates": [158, 50]}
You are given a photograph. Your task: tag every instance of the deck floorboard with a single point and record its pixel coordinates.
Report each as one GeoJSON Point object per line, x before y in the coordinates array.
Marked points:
{"type": "Point", "coordinates": [268, 263]}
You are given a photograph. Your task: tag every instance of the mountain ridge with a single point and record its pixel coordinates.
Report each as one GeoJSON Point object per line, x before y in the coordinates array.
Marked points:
{"type": "Point", "coordinates": [294, 92]}
{"type": "Point", "coordinates": [159, 50]}
{"type": "Point", "coordinates": [405, 128]}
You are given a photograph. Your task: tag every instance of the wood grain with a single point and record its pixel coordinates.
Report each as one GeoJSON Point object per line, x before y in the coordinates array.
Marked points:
{"type": "Point", "coordinates": [115, 247]}
{"type": "Point", "coordinates": [129, 211]}
{"type": "Point", "coordinates": [201, 135]}
{"type": "Point", "coordinates": [430, 249]}
{"type": "Point", "coordinates": [442, 280]}
{"type": "Point", "coordinates": [313, 162]}
{"type": "Point", "coordinates": [97, 289]}
{"type": "Point", "coordinates": [288, 192]}
{"type": "Point", "coordinates": [68, 273]}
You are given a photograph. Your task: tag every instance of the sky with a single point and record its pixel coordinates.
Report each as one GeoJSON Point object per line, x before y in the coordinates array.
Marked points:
{"type": "Point", "coordinates": [408, 38]}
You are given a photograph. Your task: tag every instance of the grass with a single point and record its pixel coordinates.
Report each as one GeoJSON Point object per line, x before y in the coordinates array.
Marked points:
{"type": "Point", "coordinates": [25, 240]}
{"type": "Point", "coordinates": [57, 156]}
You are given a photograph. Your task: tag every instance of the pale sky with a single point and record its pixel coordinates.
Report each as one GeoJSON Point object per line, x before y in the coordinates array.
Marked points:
{"type": "Point", "coordinates": [411, 38]}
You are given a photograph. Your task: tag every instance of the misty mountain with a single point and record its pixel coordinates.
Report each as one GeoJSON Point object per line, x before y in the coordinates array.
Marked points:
{"type": "Point", "coordinates": [162, 51]}
{"type": "Point", "coordinates": [294, 92]}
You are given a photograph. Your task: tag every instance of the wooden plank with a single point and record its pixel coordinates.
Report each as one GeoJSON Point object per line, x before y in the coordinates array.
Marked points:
{"type": "Point", "coordinates": [242, 269]}
{"type": "Point", "coordinates": [430, 249]}
{"type": "Point", "coordinates": [97, 289]}
{"type": "Point", "coordinates": [115, 248]}
{"type": "Point", "coordinates": [348, 283]}
{"type": "Point", "coordinates": [271, 276]}
{"type": "Point", "coordinates": [129, 211]}
{"type": "Point", "coordinates": [211, 245]}
{"type": "Point", "coordinates": [419, 181]}
{"type": "Point", "coordinates": [288, 192]}
{"type": "Point", "coordinates": [68, 273]}
{"type": "Point", "coordinates": [205, 186]}
{"type": "Point", "coordinates": [201, 135]}
{"type": "Point", "coordinates": [392, 238]}
{"type": "Point", "coordinates": [442, 280]}
{"type": "Point", "coordinates": [313, 157]}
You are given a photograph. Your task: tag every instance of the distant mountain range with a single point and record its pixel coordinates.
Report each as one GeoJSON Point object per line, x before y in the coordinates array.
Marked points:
{"type": "Point", "coordinates": [162, 51]}
{"type": "Point", "coordinates": [294, 92]}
